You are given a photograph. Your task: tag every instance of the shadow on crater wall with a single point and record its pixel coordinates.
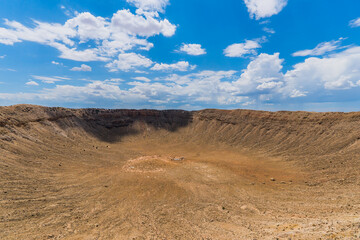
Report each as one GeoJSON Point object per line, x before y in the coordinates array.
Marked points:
{"type": "Point", "coordinates": [105, 124]}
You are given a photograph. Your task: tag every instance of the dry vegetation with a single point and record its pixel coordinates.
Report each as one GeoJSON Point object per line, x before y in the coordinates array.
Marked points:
{"type": "Point", "coordinates": [109, 174]}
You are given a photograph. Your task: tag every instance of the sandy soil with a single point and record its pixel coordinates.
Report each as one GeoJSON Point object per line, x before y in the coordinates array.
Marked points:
{"type": "Point", "coordinates": [60, 182]}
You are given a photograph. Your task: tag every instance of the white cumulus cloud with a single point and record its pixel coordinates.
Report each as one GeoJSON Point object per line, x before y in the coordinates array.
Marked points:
{"type": "Point", "coordinates": [144, 25]}
{"type": "Point", "coordinates": [150, 5]}
{"type": "Point", "coordinates": [128, 61]}
{"type": "Point", "coordinates": [264, 72]}
{"type": "Point", "coordinates": [264, 8]}
{"type": "Point", "coordinates": [86, 37]}
{"type": "Point", "coordinates": [89, 27]}
{"type": "Point", "coordinates": [192, 49]}
{"type": "Point", "coordinates": [242, 49]}
{"type": "Point", "coordinates": [82, 68]}
{"type": "Point", "coordinates": [333, 72]}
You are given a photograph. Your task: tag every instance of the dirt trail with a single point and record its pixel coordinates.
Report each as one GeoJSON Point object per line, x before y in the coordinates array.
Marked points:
{"type": "Point", "coordinates": [109, 174]}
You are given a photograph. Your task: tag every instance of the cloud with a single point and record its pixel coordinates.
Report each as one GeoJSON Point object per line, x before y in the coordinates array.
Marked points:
{"type": "Point", "coordinates": [62, 78]}
{"type": "Point", "coordinates": [269, 30]}
{"type": "Point", "coordinates": [87, 55]}
{"type": "Point", "coordinates": [337, 71]}
{"type": "Point", "coordinates": [86, 37]}
{"type": "Point", "coordinates": [204, 87]}
{"type": "Point", "coordinates": [263, 22]}
{"type": "Point", "coordinates": [144, 79]}
{"type": "Point", "coordinates": [69, 93]}
{"type": "Point", "coordinates": [264, 8]}
{"type": "Point", "coordinates": [264, 72]}
{"type": "Point", "coordinates": [192, 49]}
{"type": "Point", "coordinates": [242, 49]}
{"type": "Point", "coordinates": [145, 25]}
{"type": "Point", "coordinates": [295, 93]}
{"type": "Point", "coordinates": [314, 76]}
{"type": "Point", "coordinates": [263, 81]}
{"type": "Point", "coordinates": [8, 37]}
{"type": "Point", "coordinates": [68, 12]}
{"type": "Point", "coordinates": [49, 80]}
{"type": "Point", "coordinates": [320, 49]}
{"type": "Point", "coordinates": [43, 33]}
{"type": "Point", "coordinates": [2, 56]}
{"type": "Point", "coordinates": [355, 23]}
{"type": "Point", "coordinates": [128, 61]}
{"type": "Point", "coordinates": [179, 66]}
{"type": "Point", "coordinates": [269, 85]}
{"type": "Point", "coordinates": [32, 83]}
{"type": "Point", "coordinates": [150, 5]}
{"type": "Point", "coordinates": [89, 93]}
{"type": "Point", "coordinates": [55, 63]}
{"type": "Point", "coordinates": [89, 27]}
{"type": "Point", "coordinates": [8, 69]}
{"type": "Point", "coordinates": [82, 68]}
{"type": "Point", "coordinates": [113, 81]}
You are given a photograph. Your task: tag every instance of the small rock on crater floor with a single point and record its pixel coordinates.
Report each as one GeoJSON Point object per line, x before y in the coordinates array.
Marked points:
{"type": "Point", "coordinates": [178, 158]}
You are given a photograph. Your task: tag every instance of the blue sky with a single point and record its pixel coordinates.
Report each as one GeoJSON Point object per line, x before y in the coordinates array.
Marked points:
{"type": "Point", "coordinates": [256, 54]}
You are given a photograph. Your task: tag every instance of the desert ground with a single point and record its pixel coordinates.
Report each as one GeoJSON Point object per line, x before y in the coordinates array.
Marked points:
{"type": "Point", "coordinates": [146, 174]}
